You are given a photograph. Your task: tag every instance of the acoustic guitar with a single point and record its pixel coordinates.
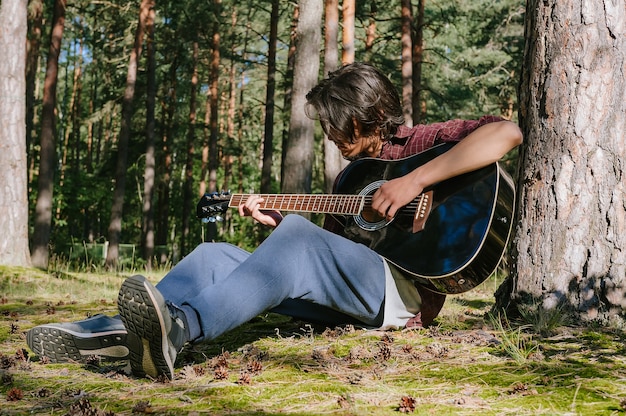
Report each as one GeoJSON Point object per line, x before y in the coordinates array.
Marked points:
{"type": "Point", "coordinates": [449, 239]}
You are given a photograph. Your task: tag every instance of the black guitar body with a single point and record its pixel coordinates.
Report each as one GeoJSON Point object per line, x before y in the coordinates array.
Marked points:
{"type": "Point", "coordinates": [464, 236]}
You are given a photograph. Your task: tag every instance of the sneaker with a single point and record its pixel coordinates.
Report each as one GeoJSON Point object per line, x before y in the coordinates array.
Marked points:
{"type": "Point", "coordinates": [156, 330]}
{"type": "Point", "coordinates": [99, 335]}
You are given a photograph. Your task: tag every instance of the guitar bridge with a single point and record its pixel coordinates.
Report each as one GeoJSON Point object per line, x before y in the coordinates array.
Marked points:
{"type": "Point", "coordinates": [422, 211]}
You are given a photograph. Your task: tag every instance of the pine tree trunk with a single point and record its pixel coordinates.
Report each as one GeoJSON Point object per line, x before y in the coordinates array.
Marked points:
{"type": "Point", "coordinates": [333, 161]}
{"type": "Point", "coordinates": [570, 242]}
{"type": "Point", "coordinates": [13, 164]}
{"type": "Point", "coordinates": [348, 8]}
{"type": "Point", "coordinates": [407, 61]}
{"type": "Point", "coordinates": [147, 228]}
{"type": "Point", "coordinates": [188, 194]}
{"type": "Point", "coordinates": [417, 57]}
{"type": "Point", "coordinates": [117, 208]}
{"type": "Point", "coordinates": [47, 153]}
{"type": "Point", "coordinates": [298, 161]}
{"type": "Point", "coordinates": [268, 138]}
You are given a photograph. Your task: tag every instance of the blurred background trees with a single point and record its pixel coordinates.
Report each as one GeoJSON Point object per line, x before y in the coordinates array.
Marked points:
{"type": "Point", "coordinates": [157, 102]}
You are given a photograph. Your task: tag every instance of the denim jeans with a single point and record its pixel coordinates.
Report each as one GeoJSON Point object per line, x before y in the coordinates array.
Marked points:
{"type": "Point", "coordinates": [300, 270]}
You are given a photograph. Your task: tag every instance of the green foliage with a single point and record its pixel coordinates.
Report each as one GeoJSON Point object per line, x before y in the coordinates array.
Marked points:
{"type": "Point", "coordinates": [473, 52]}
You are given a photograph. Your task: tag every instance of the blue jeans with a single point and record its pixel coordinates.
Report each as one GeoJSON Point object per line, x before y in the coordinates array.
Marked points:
{"type": "Point", "coordinates": [300, 270]}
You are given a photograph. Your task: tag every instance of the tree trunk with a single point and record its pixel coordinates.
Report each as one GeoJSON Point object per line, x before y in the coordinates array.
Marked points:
{"type": "Point", "coordinates": [417, 58]}
{"type": "Point", "coordinates": [570, 241]}
{"type": "Point", "coordinates": [47, 153]}
{"type": "Point", "coordinates": [299, 154]}
{"type": "Point", "coordinates": [147, 226]}
{"type": "Point", "coordinates": [165, 166]}
{"type": "Point", "coordinates": [117, 208]}
{"type": "Point", "coordinates": [348, 11]}
{"type": "Point", "coordinates": [188, 194]}
{"type": "Point", "coordinates": [214, 115]}
{"type": "Point", "coordinates": [268, 138]}
{"type": "Point", "coordinates": [333, 161]}
{"type": "Point", "coordinates": [288, 88]}
{"type": "Point", "coordinates": [407, 61]}
{"type": "Point", "coordinates": [35, 20]}
{"type": "Point", "coordinates": [13, 164]}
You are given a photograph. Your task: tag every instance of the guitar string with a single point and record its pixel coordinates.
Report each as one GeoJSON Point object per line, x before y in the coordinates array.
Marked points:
{"type": "Point", "coordinates": [273, 199]}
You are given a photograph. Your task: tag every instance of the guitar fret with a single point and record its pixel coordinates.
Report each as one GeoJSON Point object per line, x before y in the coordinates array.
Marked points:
{"type": "Point", "coordinates": [343, 204]}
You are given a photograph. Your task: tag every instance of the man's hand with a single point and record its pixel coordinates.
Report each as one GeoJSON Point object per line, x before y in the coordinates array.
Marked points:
{"type": "Point", "coordinates": [251, 208]}
{"type": "Point", "coordinates": [395, 194]}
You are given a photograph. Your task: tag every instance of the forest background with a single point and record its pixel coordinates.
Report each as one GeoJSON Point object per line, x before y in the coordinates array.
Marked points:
{"type": "Point", "coordinates": [209, 108]}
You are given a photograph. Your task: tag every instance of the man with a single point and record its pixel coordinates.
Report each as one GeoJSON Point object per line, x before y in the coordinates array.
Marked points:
{"type": "Point", "coordinates": [300, 270]}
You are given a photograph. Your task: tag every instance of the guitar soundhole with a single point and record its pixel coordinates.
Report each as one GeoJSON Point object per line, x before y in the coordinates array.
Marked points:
{"type": "Point", "coordinates": [370, 215]}
{"type": "Point", "coordinates": [369, 219]}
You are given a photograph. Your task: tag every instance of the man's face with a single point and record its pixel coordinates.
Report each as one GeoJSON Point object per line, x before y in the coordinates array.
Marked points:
{"type": "Point", "coordinates": [349, 148]}
{"type": "Point", "coordinates": [357, 147]}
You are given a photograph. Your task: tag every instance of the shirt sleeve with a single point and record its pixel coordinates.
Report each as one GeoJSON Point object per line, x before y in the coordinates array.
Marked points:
{"type": "Point", "coordinates": [410, 141]}
{"type": "Point", "coordinates": [456, 130]}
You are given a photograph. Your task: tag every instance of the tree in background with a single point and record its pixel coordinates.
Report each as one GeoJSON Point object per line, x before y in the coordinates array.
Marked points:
{"type": "Point", "coordinates": [299, 153]}
{"type": "Point", "coordinates": [147, 224]}
{"type": "Point", "coordinates": [333, 161]}
{"type": "Point", "coordinates": [407, 60]}
{"type": "Point", "coordinates": [268, 132]}
{"type": "Point", "coordinates": [469, 69]}
{"type": "Point", "coordinates": [47, 153]}
{"type": "Point", "coordinates": [117, 208]}
{"type": "Point", "coordinates": [13, 165]}
{"type": "Point", "coordinates": [570, 241]}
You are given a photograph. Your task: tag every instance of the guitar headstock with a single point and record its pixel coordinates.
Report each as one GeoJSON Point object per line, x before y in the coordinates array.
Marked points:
{"type": "Point", "coordinates": [212, 204]}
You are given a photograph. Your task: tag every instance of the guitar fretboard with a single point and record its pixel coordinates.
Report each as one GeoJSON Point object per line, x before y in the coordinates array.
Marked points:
{"type": "Point", "coordinates": [329, 204]}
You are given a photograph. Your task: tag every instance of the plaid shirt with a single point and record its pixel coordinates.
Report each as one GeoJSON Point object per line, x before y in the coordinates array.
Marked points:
{"type": "Point", "coordinates": [410, 141]}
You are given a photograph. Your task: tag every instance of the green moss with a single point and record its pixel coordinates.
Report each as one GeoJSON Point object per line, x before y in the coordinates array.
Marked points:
{"type": "Point", "coordinates": [455, 367]}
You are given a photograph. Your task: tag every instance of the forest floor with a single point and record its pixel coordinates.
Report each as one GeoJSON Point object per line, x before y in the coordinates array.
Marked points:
{"type": "Point", "coordinates": [467, 363]}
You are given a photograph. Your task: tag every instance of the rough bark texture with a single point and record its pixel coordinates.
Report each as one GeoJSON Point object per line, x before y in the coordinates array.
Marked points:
{"type": "Point", "coordinates": [333, 161]}
{"type": "Point", "coordinates": [298, 163]}
{"type": "Point", "coordinates": [47, 153]}
{"type": "Point", "coordinates": [407, 60]}
{"type": "Point", "coordinates": [570, 242]}
{"type": "Point", "coordinates": [13, 194]}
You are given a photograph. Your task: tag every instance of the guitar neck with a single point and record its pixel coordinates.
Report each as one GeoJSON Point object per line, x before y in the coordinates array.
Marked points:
{"type": "Point", "coordinates": [326, 204]}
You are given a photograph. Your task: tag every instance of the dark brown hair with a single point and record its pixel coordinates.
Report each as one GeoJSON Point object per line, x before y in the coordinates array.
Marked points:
{"type": "Point", "coordinates": [360, 92]}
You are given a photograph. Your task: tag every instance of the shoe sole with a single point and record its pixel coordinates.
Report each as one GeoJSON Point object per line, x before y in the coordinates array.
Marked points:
{"type": "Point", "coordinates": [147, 335]}
{"type": "Point", "coordinates": [62, 345]}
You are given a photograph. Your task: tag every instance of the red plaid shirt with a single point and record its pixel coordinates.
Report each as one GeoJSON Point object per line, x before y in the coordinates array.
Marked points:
{"type": "Point", "coordinates": [410, 141]}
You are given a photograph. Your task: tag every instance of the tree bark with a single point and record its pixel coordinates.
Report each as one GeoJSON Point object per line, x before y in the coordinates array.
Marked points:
{"type": "Point", "coordinates": [147, 225]}
{"type": "Point", "coordinates": [407, 61]}
{"type": "Point", "coordinates": [333, 161]}
{"type": "Point", "coordinates": [188, 194]}
{"type": "Point", "coordinates": [117, 208]}
{"type": "Point", "coordinates": [47, 153]}
{"type": "Point", "coordinates": [570, 241]}
{"type": "Point", "coordinates": [417, 58]}
{"type": "Point", "coordinates": [214, 115]}
{"type": "Point", "coordinates": [35, 19]}
{"type": "Point", "coordinates": [288, 87]}
{"type": "Point", "coordinates": [268, 137]}
{"type": "Point", "coordinates": [299, 154]}
{"type": "Point", "coordinates": [13, 163]}
{"type": "Point", "coordinates": [348, 15]}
